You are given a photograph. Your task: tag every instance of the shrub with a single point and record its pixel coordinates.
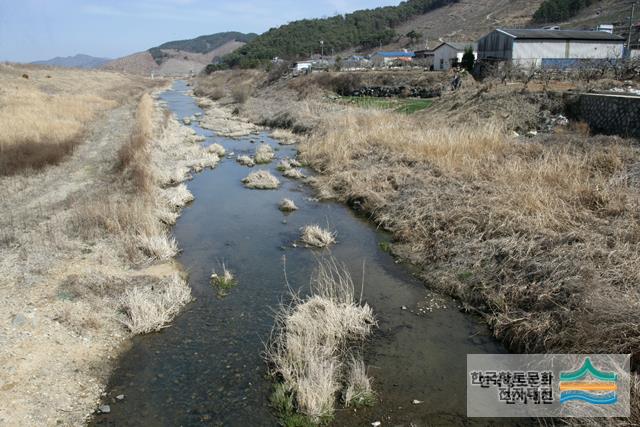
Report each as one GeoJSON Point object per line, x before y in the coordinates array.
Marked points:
{"type": "Point", "coordinates": [241, 93]}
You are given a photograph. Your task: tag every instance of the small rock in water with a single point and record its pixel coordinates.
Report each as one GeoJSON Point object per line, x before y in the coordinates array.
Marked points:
{"type": "Point", "coordinates": [416, 402]}
{"type": "Point", "coordinates": [376, 423]}
{"type": "Point", "coordinates": [186, 121]}
{"type": "Point", "coordinates": [105, 409]}
{"type": "Point", "coordinates": [404, 307]}
{"type": "Point", "coordinates": [120, 397]}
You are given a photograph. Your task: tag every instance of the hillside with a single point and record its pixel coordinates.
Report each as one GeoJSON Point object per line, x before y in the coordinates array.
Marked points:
{"type": "Point", "coordinates": [180, 57]}
{"type": "Point", "coordinates": [468, 20]}
{"type": "Point", "coordinates": [76, 61]}
{"type": "Point", "coordinates": [365, 28]}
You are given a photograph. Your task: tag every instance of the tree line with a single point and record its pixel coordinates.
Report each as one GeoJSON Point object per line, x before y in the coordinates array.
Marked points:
{"type": "Point", "coordinates": [300, 39]}
{"type": "Point", "coordinates": [559, 10]}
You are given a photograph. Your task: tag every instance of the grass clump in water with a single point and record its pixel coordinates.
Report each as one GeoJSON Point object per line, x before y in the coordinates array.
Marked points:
{"type": "Point", "coordinates": [358, 392]}
{"type": "Point", "coordinates": [287, 205]}
{"type": "Point", "coordinates": [293, 173]}
{"type": "Point", "coordinates": [217, 149]}
{"type": "Point", "coordinates": [317, 236]}
{"type": "Point", "coordinates": [224, 281]}
{"type": "Point", "coordinates": [261, 180]}
{"type": "Point", "coordinates": [311, 350]}
{"type": "Point", "coordinates": [283, 165]}
{"type": "Point", "coordinates": [246, 161]}
{"type": "Point", "coordinates": [264, 154]}
{"type": "Point", "coordinates": [385, 246]}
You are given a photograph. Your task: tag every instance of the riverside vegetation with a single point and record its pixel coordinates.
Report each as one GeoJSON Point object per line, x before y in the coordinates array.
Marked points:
{"type": "Point", "coordinates": [90, 178]}
{"type": "Point", "coordinates": [539, 236]}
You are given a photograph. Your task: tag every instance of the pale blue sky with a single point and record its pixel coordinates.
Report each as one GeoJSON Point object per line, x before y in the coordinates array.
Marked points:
{"type": "Point", "coordinates": [41, 29]}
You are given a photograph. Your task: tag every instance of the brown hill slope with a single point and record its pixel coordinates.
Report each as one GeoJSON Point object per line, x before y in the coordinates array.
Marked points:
{"type": "Point", "coordinates": [175, 62]}
{"type": "Point", "coordinates": [468, 20]}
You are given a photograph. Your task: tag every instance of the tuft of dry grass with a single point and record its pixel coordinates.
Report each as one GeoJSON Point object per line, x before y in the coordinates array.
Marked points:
{"type": "Point", "coordinates": [217, 149]}
{"type": "Point", "coordinates": [287, 205]}
{"type": "Point", "coordinates": [317, 236]}
{"type": "Point", "coordinates": [223, 281]}
{"type": "Point", "coordinates": [358, 392]}
{"type": "Point", "coordinates": [150, 309]}
{"type": "Point", "coordinates": [539, 238]}
{"type": "Point", "coordinates": [264, 154]}
{"type": "Point", "coordinates": [261, 180]}
{"type": "Point", "coordinates": [246, 161]}
{"type": "Point", "coordinates": [293, 173]}
{"type": "Point", "coordinates": [312, 341]}
{"type": "Point", "coordinates": [285, 136]}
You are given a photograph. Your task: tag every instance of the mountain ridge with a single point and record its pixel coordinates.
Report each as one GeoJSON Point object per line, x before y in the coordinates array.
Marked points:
{"type": "Point", "coordinates": [79, 60]}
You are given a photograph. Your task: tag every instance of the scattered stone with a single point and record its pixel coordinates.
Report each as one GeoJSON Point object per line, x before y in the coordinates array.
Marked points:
{"type": "Point", "coordinates": [376, 423]}
{"type": "Point", "coordinates": [19, 320]}
{"type": "Point", "coordinates": [120, 397]}
{"type": "Point", "coordinates": [417, 402]}
{"type": "Point", "coordinates": [404, 307]}
{"type": "Point", "coordinates": [104, 409]}
{"type": "Point", "coordinates": [186, 120]}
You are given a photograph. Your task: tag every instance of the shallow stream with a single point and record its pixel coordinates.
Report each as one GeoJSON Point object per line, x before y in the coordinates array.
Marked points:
{"type": "Point", "coordinates": [207, 368]}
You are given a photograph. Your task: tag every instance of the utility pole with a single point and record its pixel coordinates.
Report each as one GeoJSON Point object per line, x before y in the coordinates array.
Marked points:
{"type": "Point", "coordinates": [633, 10]}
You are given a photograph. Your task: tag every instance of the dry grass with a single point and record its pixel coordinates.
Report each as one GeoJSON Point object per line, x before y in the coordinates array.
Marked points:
{"type": "Point", "coordinates": [217, 149]}
{"type": "Point", "coordinates": [43, 118]}
{"type": "Point", "coordinates": [359, 391]}
{"type": "Point", "coordinates": [264, 154]}
{"type": "Point", "coordinates": [317, 236]}
{"type": "Point", "coordinates": [261, 180]}
{"type": "Point", "coordinates": [246, 161]}
{"type": "Point", "coordinates": [241, 93]}
{"type": "Point", "coordinates": [538, 237]}
{"type": "Point", "coordinates": [150, 309]}
{"type": "Point", "coordinates": [293, 173]}
{"type": "Point", "coordinates": [311, 344]}
{"type": "Point", "coordinates": [284, 136]}
{"type": "Point", "coordinates": [287, 205]}
{"type": "Point", "coordinates": [223, 281]}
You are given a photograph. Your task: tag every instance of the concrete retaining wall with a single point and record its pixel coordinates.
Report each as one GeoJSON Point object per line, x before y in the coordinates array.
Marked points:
{"type": "Point", "coordinates": [611, 114]}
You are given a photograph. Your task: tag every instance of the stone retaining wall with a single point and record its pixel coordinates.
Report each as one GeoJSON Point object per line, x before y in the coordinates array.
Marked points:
{"type": "Point", "coordinates": [611, 114]}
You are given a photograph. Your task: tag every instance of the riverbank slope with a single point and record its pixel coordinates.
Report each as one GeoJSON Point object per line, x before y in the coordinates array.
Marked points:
{"type": "Point", "coordinates": [85, 253]}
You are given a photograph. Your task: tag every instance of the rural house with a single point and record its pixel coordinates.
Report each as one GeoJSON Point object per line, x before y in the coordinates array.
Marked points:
{"type": "Point", "coordinates": [425, 57]}
{"type": "Point", "coordinates": [549, 48]}
{"type": "Point", "coordinates": [387, 58]}
{"type": "Point", "coordinates": [449, 54]}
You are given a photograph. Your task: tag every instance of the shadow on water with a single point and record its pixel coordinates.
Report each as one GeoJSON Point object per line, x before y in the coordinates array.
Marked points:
{"type": "Point", "coordinates": [207, 367]}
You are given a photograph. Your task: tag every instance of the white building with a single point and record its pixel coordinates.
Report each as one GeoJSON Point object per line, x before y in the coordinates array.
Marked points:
{"type": "Point", "coordinates": [302, 66]}
{"type": "Point", "coordinates": [553, 48]}
{"type": "Point", "coordinates": [449, 54]}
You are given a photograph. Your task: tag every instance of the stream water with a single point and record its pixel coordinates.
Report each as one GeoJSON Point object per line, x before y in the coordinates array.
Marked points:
{"type": "Point", "coordinates": [207, 368]}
